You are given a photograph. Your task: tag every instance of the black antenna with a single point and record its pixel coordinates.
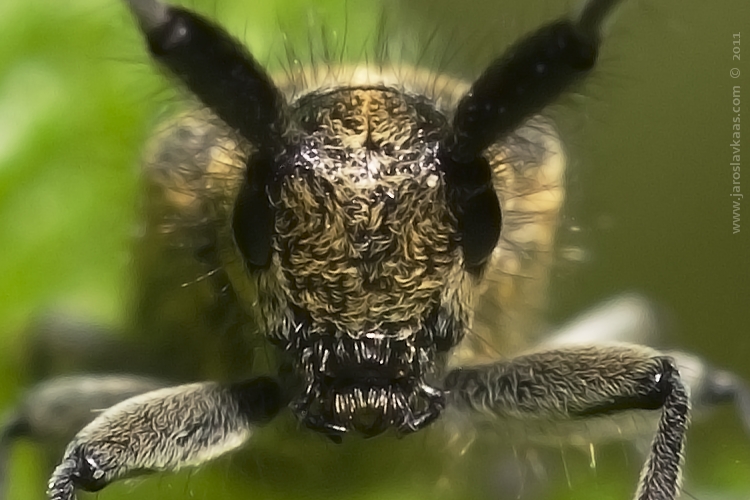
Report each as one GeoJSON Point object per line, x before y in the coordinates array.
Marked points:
{"type": "Point", "coordinates": [216, 68]}
{"type": "Point", "coordinates": [227, 79]}
{"type": "Point", "coordinates": [531, 75]}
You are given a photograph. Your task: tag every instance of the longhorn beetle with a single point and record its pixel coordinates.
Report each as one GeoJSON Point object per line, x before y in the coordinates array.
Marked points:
{"type": "Point", "coordinates": [359, 220]}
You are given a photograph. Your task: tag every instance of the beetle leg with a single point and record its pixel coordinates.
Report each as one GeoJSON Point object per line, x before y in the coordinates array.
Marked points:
{"type": "Point", "coordinates": [53, 411]}
{"type": "Point", "coordinates": [634, 319]}
{"type": "Point", "coordinates": [164, 430]}
{"type": "Point", "coordinates": [583, 382]}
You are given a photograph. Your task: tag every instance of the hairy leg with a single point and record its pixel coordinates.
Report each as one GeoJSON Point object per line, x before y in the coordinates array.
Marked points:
{"type": "Point", "coordinates": [164, 430]}
{"type": "Point", "coordinates": [582, 382]}
{"type": "Point", "coordinates": [634, 319]}
{"type": "Point", "coordinates": [53, 411]}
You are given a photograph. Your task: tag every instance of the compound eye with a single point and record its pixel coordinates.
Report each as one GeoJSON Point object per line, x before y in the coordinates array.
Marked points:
{"type": "Point", "coordinates": [479, 223]}
{"type": "Point", "coordinates": [475, 205]}
{"type": "Point", "coordinates": [253, 216]}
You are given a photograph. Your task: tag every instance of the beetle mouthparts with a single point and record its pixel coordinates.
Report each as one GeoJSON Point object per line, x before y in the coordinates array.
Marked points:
{"type": "Point", "coordinates": [367, 385]}
{"type": "Point", "coordinates": [369, 410]}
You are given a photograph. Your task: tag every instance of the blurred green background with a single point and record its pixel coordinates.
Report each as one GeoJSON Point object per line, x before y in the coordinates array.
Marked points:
{"type": "Point", "coordinates": [649, 192]}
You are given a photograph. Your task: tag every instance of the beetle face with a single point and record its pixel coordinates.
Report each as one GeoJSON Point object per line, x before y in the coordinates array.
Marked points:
{"type": "Point", "coordinates": [363, 244]}
{"type": "Point", "coordinates": [357, 213]}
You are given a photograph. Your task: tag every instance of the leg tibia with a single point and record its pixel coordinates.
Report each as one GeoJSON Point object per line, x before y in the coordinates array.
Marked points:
{"type": "Point", "coordinates": [163, 430]}
{"type": "Point", "coordinates": [587, 381]}
{"type": "Point", "coordinates": [564, 383]}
